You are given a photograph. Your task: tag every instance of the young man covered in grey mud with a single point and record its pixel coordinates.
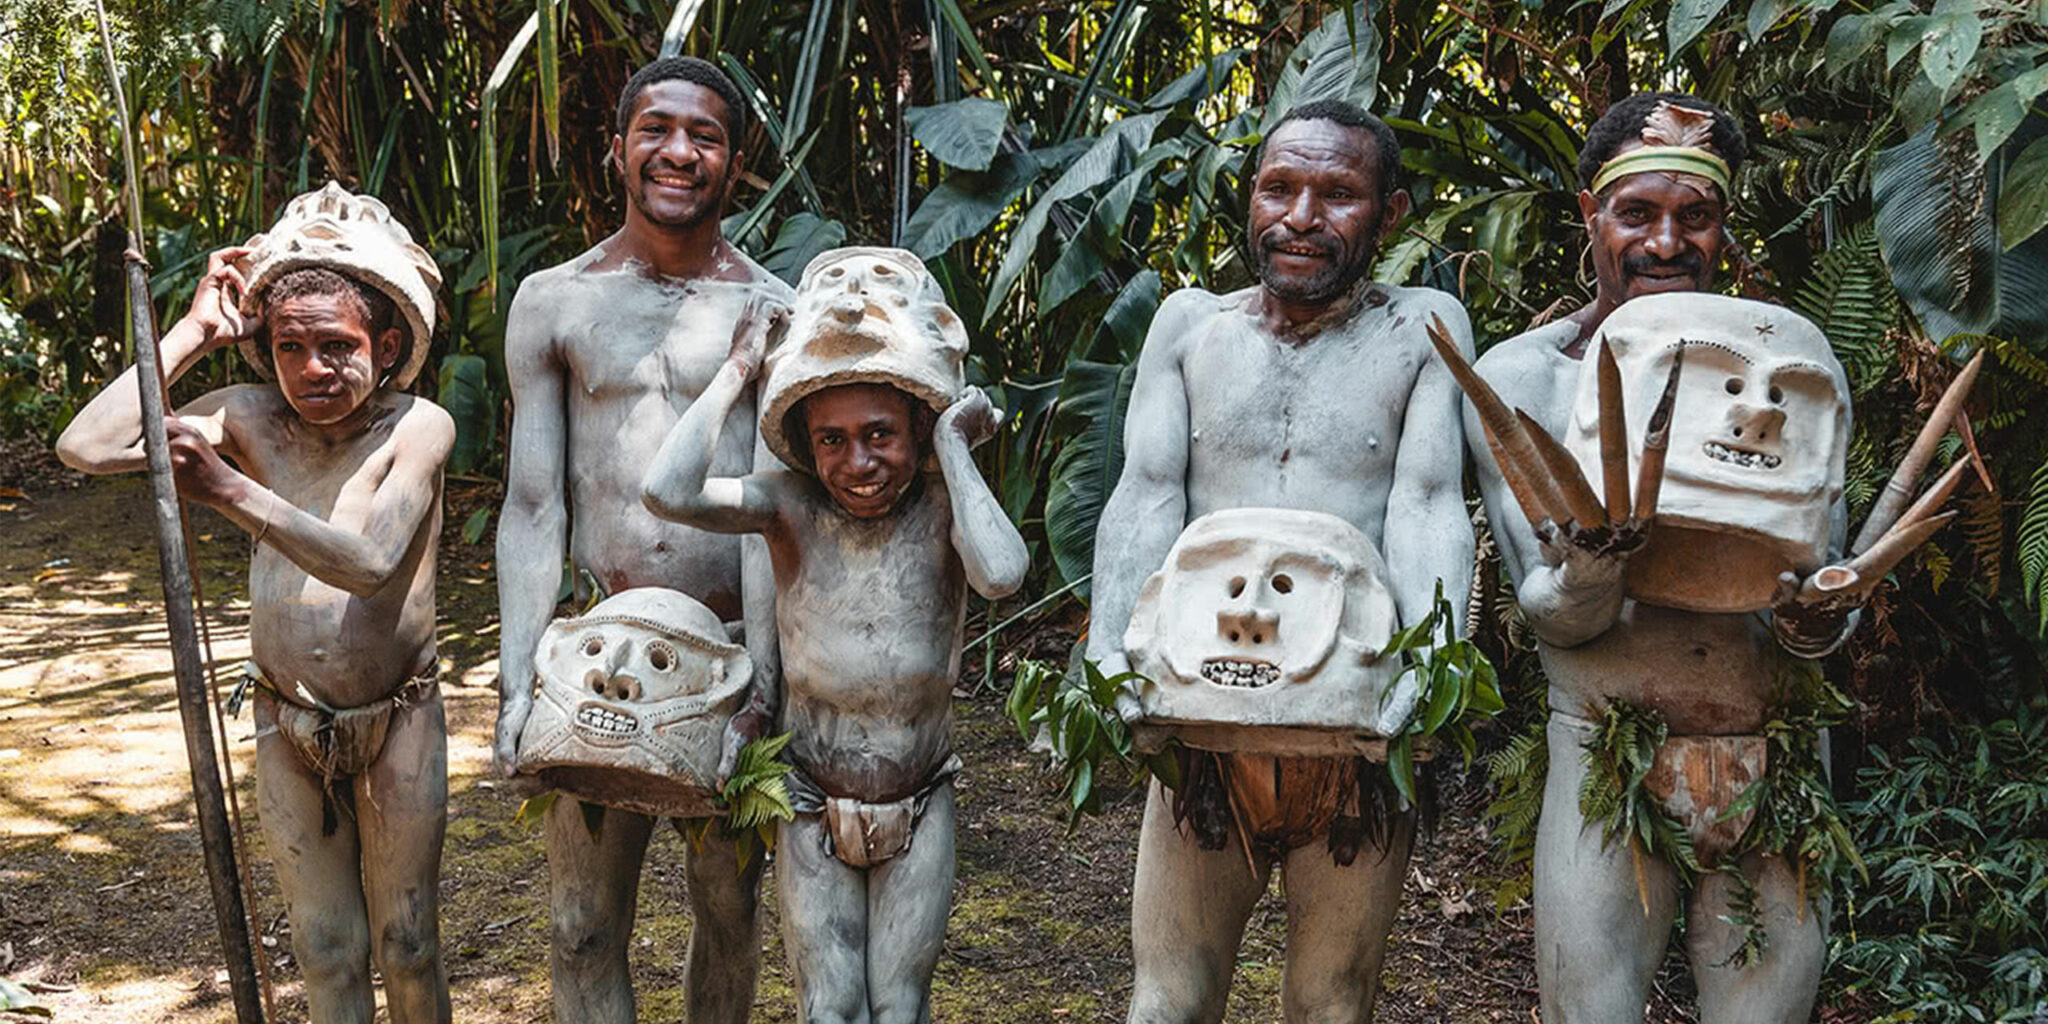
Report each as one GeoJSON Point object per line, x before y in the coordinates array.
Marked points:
{"type": "Point", "coordinates": [605, 353]}
{"type": "Point", "coordinates": [1599, 937]}
{"type": "Point", "coordinates": [1316, 389]}
{"type": "Point", "coordinates": [337, 477]}
{"type": "Point", "coordinates": [873, 555]}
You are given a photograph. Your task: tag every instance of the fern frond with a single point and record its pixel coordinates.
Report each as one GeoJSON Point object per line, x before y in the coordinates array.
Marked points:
{"type": "Point", "coordinates": [2032, 545]}
{"type": "Point", "coordinates": [1983, 523]}
{"type": "Point", "coordinates": [1850, 297]}
{"type": "Point", "coordinates": [1938, 565]}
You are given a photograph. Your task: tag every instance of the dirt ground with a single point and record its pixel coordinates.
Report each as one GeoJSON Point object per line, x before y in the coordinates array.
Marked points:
{"type": "Point", "coordinates": [104, 911]}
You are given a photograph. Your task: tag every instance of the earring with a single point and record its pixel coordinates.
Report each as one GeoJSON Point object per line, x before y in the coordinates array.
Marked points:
{"type": "Point", "coordinates": [1587, 271]}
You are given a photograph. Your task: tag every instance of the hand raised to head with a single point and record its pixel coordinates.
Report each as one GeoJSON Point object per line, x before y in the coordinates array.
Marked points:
{"type": "Point", "coordinates": [217, 299]}
{"type": "Point", "coordinates": [762, 317]}
{"type": "Point", "coordinates": [972, 417]}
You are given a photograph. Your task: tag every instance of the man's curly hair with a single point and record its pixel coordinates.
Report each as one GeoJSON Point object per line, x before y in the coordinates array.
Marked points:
{"type": "Point", "coordinates": [1623, 123]}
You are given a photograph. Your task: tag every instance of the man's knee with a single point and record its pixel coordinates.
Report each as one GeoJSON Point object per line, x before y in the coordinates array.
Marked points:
{"type": "Point", "coordinates": [331, 947]}
{"type": "Point", "coordinates": [835, 1001]}
{"type": "Point", "coordinates": [407, 950]}
{"type": "Point", "coordinates": [897, 1004]}
{"type": "Point", "coordinates": [581, 935]}
{"type": "Point", "coordinates": [1329, 998]}
{"type": "Point", "coordinates": [1184, 1001]}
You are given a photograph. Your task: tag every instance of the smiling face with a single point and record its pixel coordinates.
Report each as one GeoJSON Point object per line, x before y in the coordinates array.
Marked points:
{"type": "Point", "coordinates": [864, 445]}
{"type": "Point", "coordinates": [1651, 233]}
{"type": "Point", "coordinates": [675, 158]}
{"type": "Point", "coordinates": [1316, 215]}
{"type": "Point", "coordinates": [326, 360]}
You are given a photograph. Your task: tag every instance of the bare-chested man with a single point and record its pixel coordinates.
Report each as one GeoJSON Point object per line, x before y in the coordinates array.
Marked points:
{"type": "Point", "coordinates": [604, 353]}
{"type": "Point", "coordinates": [1316, 390]}
{"type": "Point", "coordinates": [338, 479]}
{"type": "Point", "coordinates": [873, 557]}
{"type": "Point", "coordinates": [1659, 229]}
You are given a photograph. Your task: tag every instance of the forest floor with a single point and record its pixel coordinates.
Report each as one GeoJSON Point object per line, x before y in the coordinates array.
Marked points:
{"type": "Point", "coordinates": [104, 912]}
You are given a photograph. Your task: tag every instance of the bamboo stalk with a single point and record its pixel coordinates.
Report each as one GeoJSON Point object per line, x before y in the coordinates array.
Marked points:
{"type": "Point", "coordinates": [1898, 491]}
{"type": "Point", "coordinates": [1656, 439]}
{"type": "Point", "coordinates": [1613, 436]}
{"type": "Point", "coordinates": [216, 839]}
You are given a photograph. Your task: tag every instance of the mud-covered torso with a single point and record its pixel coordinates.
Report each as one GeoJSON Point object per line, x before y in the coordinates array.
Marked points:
{"type": "Point", "coordinates": [1311, 424]}
{"type": "Point", "coordinates": [346, 650]}
{"type": "Point", "coordinates": [634, 352]}
{"type": "Point", "coordinates": [869, 612]}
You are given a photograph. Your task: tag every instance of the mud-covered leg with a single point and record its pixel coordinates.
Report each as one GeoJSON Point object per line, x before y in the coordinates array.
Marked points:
{"type": "Point", "coordinates": [1338, 917]}
{"type": "Point", "coordinates": [1596, 949]}
{"type": "Point", "coordinates": [321, 877]}
{"type": "Point", "coordinates": [1188, 909]}
{"type": "Point", "coordinates": [909, 898]}
{"type": "Point", "coordinates": [1779, 989]}
{"type": "Point", "coordinates": [725, 931]}
{"type": "Point", "coordinates": [593, 883]}
{"type": "Point", "coordinates": [402, 813]}
{"type": "Point", "coordinates": [824, 907]}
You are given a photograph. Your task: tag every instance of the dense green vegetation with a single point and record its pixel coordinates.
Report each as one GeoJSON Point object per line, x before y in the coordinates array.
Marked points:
{"type": "Point", "coordinates": [1062, 165]}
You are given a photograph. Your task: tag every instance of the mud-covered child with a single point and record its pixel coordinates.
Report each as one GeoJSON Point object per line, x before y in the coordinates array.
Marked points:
{"type": "Point", "coordinates": [336, 476]}
{"type": "Point", "coordinates": [873, 554]}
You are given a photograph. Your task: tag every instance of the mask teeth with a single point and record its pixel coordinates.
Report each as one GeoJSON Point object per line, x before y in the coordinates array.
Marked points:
{"type": "Point", "coordinates": [1240, 674]}
{"type": "Point", "coordinates": [1734, 456]}
{"type": "Point", "coordinates": [598, 718]}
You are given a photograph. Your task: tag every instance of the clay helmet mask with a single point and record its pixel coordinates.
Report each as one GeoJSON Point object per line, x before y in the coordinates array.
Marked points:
{"type": "Point", "coordinates": [1267, 619]}
{"type": "Point", "coordinates": [1759, 441]}
{"type": "Point", "coordinates": [631, 703]}
{"type": "Point", "coordinates": [863, 315]}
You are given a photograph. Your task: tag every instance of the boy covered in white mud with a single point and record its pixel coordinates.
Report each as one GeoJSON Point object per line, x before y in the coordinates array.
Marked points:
{"type": "Point", "coordinates": [337, 478]}
{"type": "Point", "coordinates": [873, 554]}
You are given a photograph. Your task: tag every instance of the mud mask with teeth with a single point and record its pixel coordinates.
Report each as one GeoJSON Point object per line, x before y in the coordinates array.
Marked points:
{"type": "Point", "coordinates": [631, 703]}
{"type": "Point", "coordinates": [1756, 451]}
{"type": "Point", "coordinates": [1261, 634]}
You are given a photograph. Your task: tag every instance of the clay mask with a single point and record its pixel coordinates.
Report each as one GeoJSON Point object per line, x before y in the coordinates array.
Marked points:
{"type": "Point", "coordinates": [631, 702]}
{"type": "Point", "coordinates": [1265, 619]}
{"type": "Point", "coordinates": [863, 316]}
{"type": "Point", "coordinates": [1757, 447]}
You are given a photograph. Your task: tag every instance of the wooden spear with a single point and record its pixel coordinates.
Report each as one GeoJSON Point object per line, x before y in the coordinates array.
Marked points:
{"type": "Point", "coordinates": [214, 835]}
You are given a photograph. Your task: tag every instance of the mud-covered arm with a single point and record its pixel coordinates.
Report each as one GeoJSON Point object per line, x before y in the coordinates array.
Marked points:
{"type": "Point", "coordinates": [360, 562]}
{"type": "Point", "coordinates": [1428, 535]}
{"type": "Point", "coordinates": [678, 485]}
{"type": "Point", "coordinates": [106, 435]}
{"type": "Point", "coordinates": [991, 550]}
{"type": "Point", "coordinates": [1148, 508]}
{"type": "Point", "coordinates": [533, 525]}
{"type": "Point", "coordinates": [764, 647]}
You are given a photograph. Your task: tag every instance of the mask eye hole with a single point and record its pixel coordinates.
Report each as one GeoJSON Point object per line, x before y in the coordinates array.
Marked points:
{"type": "Point", "coordinates": [661, 656]}
{"type": "Point", "coordinates": [1735, 385]}
{"type": "Point", "coordinates": [1777, 395]}
{"type": "Point", "coordinates": [1236, 586]}
{"type": "Point", "coordinates": [593, 646]}
{"type": "Point", "coordinates": [1283, 584]}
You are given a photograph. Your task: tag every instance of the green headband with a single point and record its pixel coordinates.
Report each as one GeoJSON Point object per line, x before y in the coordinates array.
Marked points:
{"type": "Point", "coordinates": [1681, 159]}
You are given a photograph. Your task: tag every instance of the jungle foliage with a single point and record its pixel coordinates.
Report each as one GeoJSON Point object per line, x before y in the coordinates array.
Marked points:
{"type": "Point", "coordinates": [1061, 165]}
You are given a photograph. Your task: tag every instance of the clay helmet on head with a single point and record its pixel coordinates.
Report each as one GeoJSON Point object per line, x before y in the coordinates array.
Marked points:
{"type": "Point", "coordinates": [355, 236]}
{"type": "Point", "coordinates": [1757, 451]}
{"type": "Point", "coordinates": [864, 315]}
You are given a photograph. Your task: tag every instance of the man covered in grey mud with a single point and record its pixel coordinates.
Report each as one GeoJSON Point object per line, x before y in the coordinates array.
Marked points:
{"type": "Point", "coordinates": [605, 353]}
{"type": "Point", "coordinates": [873, 553]}
{"type": "Point", "coordinates": [1655, 174]}
{"type": "Point", "coordinates": [1317, 389]}
{"type": "Point", "coordinates": [336, 476]}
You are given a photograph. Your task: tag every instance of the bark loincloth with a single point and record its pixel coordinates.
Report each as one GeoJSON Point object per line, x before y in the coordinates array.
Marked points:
{"type": "Point", "coordinates": [1695, 780]}
{"type": "Point", "coordinates": [338, 743]}
{"type": "Point", "coordinates": [863, 834]}
{"type": "Point", "coordinates": [1279, 804]}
